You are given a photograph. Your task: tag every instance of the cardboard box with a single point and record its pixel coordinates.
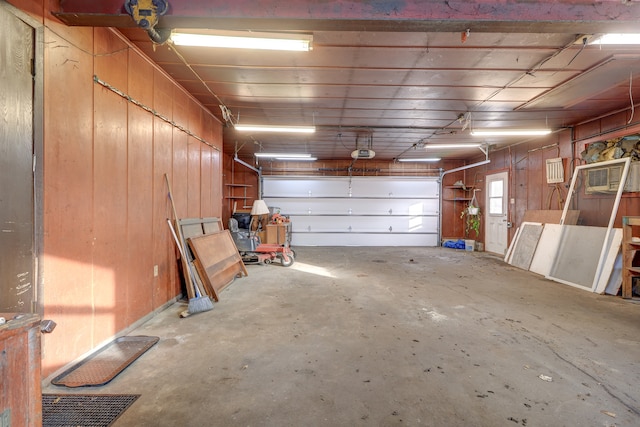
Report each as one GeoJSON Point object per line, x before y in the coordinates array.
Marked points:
{"type": "Point", "coordinates": [277, 233]}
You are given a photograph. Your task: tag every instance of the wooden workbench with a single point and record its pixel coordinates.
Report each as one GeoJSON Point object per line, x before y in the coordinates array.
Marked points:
{"type": "Point", "coordinates": [20, 389]}
{"type": "Point", "coordinates": [630, 246]}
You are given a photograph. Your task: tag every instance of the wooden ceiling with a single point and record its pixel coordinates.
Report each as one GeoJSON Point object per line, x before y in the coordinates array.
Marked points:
{"type": "Point", "coordinates": [398, 88]}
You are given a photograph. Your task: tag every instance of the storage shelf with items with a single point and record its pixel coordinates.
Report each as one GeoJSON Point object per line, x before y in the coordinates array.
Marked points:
{"type": "Point", "coordinates": [237, 192]}
{"type": "Point", "coordinates": [630, 247]}
{"type": "Point", "coordinates": [461, 202]}
{"type": "Point", "coordinates": [457, 193]}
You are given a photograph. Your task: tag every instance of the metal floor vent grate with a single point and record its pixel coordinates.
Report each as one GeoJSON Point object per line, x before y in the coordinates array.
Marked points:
{"type": "Point", "coordinates": [95, 410]}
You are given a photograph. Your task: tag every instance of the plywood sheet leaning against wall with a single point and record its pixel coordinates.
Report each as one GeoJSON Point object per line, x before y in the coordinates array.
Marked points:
{"type": "Point", "coordinates": [194, 227]}
{"type": "Point", "coordinates": [551, 216]}
{"type": "Point", "coordinates": [217, 260]}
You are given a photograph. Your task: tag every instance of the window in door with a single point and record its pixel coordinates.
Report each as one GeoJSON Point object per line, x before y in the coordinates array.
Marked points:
{"type": "Point", "coordinates": [496, 197]}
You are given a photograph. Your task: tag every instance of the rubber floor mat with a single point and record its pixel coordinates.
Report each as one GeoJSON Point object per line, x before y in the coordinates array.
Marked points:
{"type": "Point", "coordinates": [103, 365]}
{"type": "Point", "coordinates": [96, 410]}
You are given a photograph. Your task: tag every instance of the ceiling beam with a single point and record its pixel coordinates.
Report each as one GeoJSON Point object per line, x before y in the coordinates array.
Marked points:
{"type": "Point", "coordinates": [567, 16]}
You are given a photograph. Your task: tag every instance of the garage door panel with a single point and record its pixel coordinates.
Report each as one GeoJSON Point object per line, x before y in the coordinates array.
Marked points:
{"type": "Point", "coordinates": [392, 187]}
{"type": "Point", "coordinates": [355, 206]}
{"type": "Point", "coordinates": [358, 239]}
{"type": "Point", "coordinates": [400, 224]}
{"type": "Point", "coordinates": [357, 211]}
{"type": "Point", "coordinates": [355, 187]}
{"type": "Point", "coordinates": [300, 187]}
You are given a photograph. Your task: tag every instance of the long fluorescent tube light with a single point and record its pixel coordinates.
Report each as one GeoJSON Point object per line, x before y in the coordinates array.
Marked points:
{"type": "Point", "coordinates": [267, 128]}
{"type": "Point", "coordinates": [243, 40]}
{"type": "Point", "coordinates": [431, 159]}
{"type": "Point", "coordinates": [283, 155]}
{"type": "Point", "coordinates": [617, 39]}
{"type": "Point", "coordinates": [445, 146]}
{"type": "Point", "coordinates": [297, 159]}
{"type": "Point", "coordinates": [511, 132]}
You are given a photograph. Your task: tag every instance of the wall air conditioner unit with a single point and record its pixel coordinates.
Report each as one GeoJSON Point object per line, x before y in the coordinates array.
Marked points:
{"type": "Point", "coordinates": [607, 179]}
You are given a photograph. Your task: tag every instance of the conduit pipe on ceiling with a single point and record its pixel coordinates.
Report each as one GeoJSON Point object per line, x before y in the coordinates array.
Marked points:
{"type": "Point", "coordinates": [461, 168]}
{"type": "Point", "coordinates": [243, 163]}
{"type": "Point", "coordinates": [256, 170]}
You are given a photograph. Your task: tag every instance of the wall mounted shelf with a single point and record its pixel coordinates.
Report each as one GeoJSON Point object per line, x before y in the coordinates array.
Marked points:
{"type": "Point", "coordinates": [232, 194]}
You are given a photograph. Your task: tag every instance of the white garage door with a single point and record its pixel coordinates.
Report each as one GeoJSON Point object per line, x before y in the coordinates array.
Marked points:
{"type": "Point", "coordinates": [357, 211]}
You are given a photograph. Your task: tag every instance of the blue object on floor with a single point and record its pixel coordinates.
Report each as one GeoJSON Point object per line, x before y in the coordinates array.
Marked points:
{"type": "Point", "coordinates": [454, 245]}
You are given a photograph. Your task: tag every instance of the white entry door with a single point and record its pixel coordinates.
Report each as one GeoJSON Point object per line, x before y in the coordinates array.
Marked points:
{"type": "Point", "coordinates": [495, 232]}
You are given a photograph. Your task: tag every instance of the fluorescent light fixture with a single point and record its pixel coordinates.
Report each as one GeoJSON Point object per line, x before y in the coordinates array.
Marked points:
{"type": "Point", "coordinates": [617, 39]}
{"type": "Point", "coordinates": [431, 159]}
{"type": "Point", "coordinates": [511, 132]}
{"type": "Point", "coordinates": [283, 155]}
{"type": "Point", "coordinates": [283, 129]}
{"type": "Point", "coordinates": [297, 159]}
{"type": "Point", "coordinates": [446, 146]}
{"type": "Point", "coordinates": [243, 40]}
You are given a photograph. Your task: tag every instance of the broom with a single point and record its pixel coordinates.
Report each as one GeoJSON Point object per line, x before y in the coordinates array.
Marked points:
{"type": "Point", "coordinates": [197, 303]}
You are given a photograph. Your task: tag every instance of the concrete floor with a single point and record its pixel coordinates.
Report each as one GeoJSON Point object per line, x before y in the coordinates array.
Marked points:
{"type": "Point", "coordinates": [389, 337]}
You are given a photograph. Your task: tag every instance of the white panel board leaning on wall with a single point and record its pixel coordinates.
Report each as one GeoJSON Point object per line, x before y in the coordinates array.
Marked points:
{"type": "Point", "coordinates": [579, 256]}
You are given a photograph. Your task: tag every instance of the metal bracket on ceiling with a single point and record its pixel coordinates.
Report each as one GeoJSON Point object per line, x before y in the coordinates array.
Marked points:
{"type": "Point", "coordinates": [485, 150]}
{"type": "Point", "coordinates": [247, 165]}
{"type": "Point", "coordinates": [145, 14]}
{"type": "Point", "coordinates": [237, 149]}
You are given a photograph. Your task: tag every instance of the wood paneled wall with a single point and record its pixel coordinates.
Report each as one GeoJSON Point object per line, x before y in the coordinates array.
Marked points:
{"type": "Point", "coordinates": [105, 198]}
{"type": "Point", "coordinates": [526, 164]}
